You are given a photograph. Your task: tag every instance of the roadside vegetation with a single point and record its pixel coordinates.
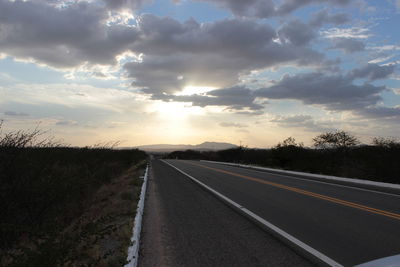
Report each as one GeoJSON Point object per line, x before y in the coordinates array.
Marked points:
{"type": "Point", "coordinates": [335, 153]}
{"type": "Point", "coordinates": [62, 205]}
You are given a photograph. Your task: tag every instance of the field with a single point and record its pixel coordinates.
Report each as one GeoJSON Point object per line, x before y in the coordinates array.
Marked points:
{"type": "Point", "coordinates": [63, 205]}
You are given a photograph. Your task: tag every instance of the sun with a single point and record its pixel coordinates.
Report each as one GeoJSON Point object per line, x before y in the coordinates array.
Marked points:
{"type": "Point", "coordinates": [195, 90]}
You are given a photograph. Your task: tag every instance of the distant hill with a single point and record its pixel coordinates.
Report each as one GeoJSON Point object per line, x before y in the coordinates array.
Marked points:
{"type": "Point", "coordinates": [200, 147]}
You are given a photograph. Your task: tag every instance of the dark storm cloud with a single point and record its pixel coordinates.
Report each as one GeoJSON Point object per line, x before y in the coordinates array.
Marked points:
{"type": "Point", "coordinates": [348, 45]}
{"type": "Point", "coordinates": [61, 37]}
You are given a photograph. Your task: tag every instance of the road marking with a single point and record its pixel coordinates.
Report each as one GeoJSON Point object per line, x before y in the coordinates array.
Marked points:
{"type": "Point", "coordinates": [290, 176]}
{"type": "Point", "coordinates": [315, 254]}
{"type": "Point", "coordinates": [308, 193]}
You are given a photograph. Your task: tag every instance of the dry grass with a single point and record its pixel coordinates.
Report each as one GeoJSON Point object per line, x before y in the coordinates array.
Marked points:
{"type": "Point", "coordinates": [103, 231]}
{"type": "Point", "coordinates": [61, 205]}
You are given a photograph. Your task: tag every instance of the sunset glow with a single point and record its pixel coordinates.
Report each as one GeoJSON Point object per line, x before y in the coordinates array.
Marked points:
{"type": "Point", "coordinates": [195, 71]}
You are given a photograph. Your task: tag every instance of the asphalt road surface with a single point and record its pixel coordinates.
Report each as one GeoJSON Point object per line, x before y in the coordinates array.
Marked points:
{"type": "Point", "coordinates": [349, 225]}
{"type": "Point", "coordinates": [185, 225]}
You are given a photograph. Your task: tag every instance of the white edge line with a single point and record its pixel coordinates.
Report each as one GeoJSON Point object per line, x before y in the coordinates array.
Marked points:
{"type": "Point", "coordinates": [279, 232]}
{"type": "Point", "coordinates": [133, 250]}
{"type": "Point", "coordinates": [325, 177]}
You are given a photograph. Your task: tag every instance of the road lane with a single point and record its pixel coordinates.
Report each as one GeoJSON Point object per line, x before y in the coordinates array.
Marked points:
{"type": "Point", "coordinates": [308, 193]}
{"type": "Point", "coordinates": [345, 233]}
{"type": "Point", "coordinates": [186, 226]}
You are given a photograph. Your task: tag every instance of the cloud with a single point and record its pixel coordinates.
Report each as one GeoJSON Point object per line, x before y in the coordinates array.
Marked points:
{"type": "Point", "coordinates": [66, 123]}
{"type": "Point", "coordinates": [381, 59]}
{"type": "Point", "coordinates": [61, 37]}
{"type": "Point", "coordinates": [70, 95]}
{"type": "Point", "coordinates": [112, 5]}
{"type": "Point", "coordinates": [372, 72]}
{"type": "Point", "coordinates": [212, 54]}
{"type": "Point", "coordinates": [79, 34]}
{"type": "Point", "coordinates": [353, 32]}
{"type": "Point", "coordinates": [348, 45]}
{"type": "Point", "coordinates": [236, 98]}
{"type": "Point", "coordinates": [323, 17]}
{"type": "Point", "coordinates": [16, 114]}
{"type": "Point", "coordinates": [334, 92]}
{"type": "Point", "coordinates": [380, 112]}
{"type": "Point", "coordinates": [125, 4]}
{"type": "Point", "coordinates": [232, 124]}
{"type": "Point", "coordinates": [161, 35]}
{"type": "Point", "coordinates": [175, 54]}
{"type": "Point", "coordinates": [268, 8]}
{"type": "Point", "coordinates": [289, 6]}
{"type": "Point", "coordinates": [364, 7]}
{"type": "Point", "coordinates": [385, 48]}
{"type": "Point", "coordinates": [292, 119]}
{"type": "Point", "coordinates": [248, 8]}
{"type": "Point", "coordinates": [296, 32]}
{"type": "Point", "coordinates": [301, 121]}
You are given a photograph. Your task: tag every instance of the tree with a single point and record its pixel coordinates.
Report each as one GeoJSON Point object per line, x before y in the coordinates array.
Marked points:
{"type": "Point", "coordinates": [386, 142]}
{"type": "Point", "coordinates": [338, 139]}
{"type": "Point", "coordinates": [289, 142]}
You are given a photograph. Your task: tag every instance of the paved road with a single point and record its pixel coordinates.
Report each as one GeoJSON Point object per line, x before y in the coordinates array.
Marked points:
{"type": "Point", "coordinates": [186, 226]}
{"type": "Point", "coordinates": [349, 225]}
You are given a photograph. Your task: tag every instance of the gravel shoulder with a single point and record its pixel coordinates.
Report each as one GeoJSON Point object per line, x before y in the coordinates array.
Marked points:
{"type": "Point", "coordinates": [187, 226]}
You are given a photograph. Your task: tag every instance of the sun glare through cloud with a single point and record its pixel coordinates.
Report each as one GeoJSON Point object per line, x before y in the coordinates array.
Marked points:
{"type": "Point", "coordinates": [174, 111]}
{"type": "Point", "coordinates": [215, 61]}
{"type": "Point", "coordinates": [195, 90]}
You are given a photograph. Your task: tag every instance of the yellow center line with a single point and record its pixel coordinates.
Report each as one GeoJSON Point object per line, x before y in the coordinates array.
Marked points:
{"type": "Point", "coordinates": [308, 193]}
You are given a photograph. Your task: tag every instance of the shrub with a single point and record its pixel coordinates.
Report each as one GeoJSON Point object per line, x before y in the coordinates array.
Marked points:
{"type": "Point", "coordinates": [338, 139]}
{"type": "Point", "coordinates": [43, 185]}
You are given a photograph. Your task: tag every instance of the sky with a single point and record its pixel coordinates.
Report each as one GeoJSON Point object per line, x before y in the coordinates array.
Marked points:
{"type": "Point", "coordinates": [248, 72]}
